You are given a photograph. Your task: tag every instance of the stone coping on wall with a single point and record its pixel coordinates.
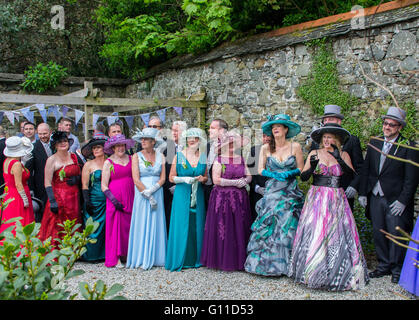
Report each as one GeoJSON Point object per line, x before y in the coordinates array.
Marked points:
{"type": "Point", "coordinates": [386, 14]}
{"type": "Point", "coordinates": [18, 78]}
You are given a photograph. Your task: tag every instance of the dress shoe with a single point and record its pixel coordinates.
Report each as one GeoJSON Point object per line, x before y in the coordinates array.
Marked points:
{"type": "Point", "coordinates": [395, 278]}
{"type": "Point", "coordinates": [379, 274]}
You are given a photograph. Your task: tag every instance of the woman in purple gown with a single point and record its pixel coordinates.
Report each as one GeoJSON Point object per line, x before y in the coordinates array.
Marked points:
{"type": "Point", "coordinates": [227, 227]}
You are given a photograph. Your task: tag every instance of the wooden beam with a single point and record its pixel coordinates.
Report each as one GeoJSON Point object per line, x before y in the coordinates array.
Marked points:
{"type": "Point", "coordinates": [116, 102]}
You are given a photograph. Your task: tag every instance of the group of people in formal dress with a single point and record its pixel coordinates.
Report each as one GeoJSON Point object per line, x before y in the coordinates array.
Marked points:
{"type": "Point", "coordinates": [188, 202]}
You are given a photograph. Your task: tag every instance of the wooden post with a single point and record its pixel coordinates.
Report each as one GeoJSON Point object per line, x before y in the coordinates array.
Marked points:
{"type": "Point", "coordinates": [88, 111]}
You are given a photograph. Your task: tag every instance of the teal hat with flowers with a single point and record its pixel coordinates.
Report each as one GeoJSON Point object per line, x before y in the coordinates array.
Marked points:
{"type": "Point", "coordinates": [194, 132]}
{"type": "Point", "coordinates": [284, 119]}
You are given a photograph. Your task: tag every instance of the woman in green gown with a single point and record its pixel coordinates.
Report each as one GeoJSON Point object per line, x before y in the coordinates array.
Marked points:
{"type": "Point", "coordinates": [187, 218]}
{"type": "Point", "coordinates": [94, 198]}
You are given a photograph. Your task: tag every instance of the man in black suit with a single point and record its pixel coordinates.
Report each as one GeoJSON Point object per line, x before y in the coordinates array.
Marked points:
{"type": "Point", "coordinates": [173, 146]}
{"type": "Point", "coordinates": [36, 164]}
{"type": "Point", "coordinates": [388, 187]}
{"type": "Point", "coordinates": [349, 182]}
{"type": "Point", "coordinates": [257, 186]}
{"type": "Point", "coordinates": [2, 157]}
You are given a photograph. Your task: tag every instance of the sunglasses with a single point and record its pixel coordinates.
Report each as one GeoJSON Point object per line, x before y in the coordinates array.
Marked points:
{"type": "Point", "coordinates": [154, 126]}
{"type": "Point", "coordinates": [391, 125]}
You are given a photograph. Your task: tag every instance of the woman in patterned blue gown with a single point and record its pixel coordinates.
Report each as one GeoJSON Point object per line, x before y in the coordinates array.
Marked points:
{"type": "Point", "coordinates": [270, 244]}
{"type": "Point", "coordinates": [94, 198]}
{"type": "Point", "coordinates": [147, 235]}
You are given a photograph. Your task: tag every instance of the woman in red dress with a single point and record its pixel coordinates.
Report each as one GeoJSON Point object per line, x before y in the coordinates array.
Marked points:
{"type": "Point", "coordinates": [62, 177]}
{"type": "Point", "coordinates": [16, 177]}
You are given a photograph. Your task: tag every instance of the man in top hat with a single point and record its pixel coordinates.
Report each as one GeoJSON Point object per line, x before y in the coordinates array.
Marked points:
{"type": "Point", "coordinates": [350, 182]}
{"type": "Point", "coordinates": [388, 187]}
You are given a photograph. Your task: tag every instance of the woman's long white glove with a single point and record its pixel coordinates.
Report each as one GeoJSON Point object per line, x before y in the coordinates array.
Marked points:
{"type": "Point", "coordinates": [188, 180]}
{"type": "Point", "coordinates": [148, 192]}
{"type": "Point", "coordinates": [24, 198]}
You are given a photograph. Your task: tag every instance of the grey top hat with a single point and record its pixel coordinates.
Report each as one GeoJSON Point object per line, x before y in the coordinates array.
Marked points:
{"type": "Point", "coordinates": [332, 110]}
{"type": "Point", "coordinates": [396, 114]}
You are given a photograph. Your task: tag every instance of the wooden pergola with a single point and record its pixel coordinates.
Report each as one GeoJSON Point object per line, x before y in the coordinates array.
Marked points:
{"type": "Point", "coordinates": [88, 98]}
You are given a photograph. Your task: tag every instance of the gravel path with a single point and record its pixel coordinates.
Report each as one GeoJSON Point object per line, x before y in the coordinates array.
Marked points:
{"type": "Point", "coordinates": [207, 284]}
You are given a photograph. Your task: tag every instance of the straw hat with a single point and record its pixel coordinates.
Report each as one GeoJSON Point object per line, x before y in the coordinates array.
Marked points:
{"type": "Point", "coordinates": [17, 147]}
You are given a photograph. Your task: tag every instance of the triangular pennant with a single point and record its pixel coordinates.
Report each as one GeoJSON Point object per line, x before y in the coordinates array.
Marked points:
{"type": "Point", "coordinates": [162, 114]}
{"type": "Point", "coordinates": [10, 116]}
{"type": "Point", "coordinates": [64, 110]}
{"type": "Point", "coordinates": [146, 118]}
{"type": "Point", "coordinates": [28, 114]}
{"type": "Point", "coordinates": [43, 114]}
{"type": "Point", "coordinates": [178, 110]}
{"type": "Point", "coordinates": [130, 121]}
{"type": "Point", "coordinates": [95, 118]}
{"type": "Point", "coordinates": [40, 106]}
{"type": "Point", "coordinates": [79, 114]}
{"type": "Point", "coordinates": [17, 117]}
{"type": "Point", "coordinates": [111, 119]}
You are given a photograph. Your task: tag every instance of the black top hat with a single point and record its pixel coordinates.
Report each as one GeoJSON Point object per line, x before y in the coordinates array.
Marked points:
{"type": "Point", "coordinates": [333, 128]}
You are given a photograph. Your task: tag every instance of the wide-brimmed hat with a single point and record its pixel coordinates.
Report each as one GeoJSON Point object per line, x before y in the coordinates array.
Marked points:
{"type": "Point", "coordinates": [333, 128]}
{"type": "Point", "coordinates": [151, 133]}
{"type": "Point", "coordinates": [58, 136]}
{"type": "Point", "coordinates": [97, 140]}
{"type": "Point", "coordinates": [238, 140]}
{"type": "Point", "coordinates": [17, 147]}
{"type": "Point", "coordinates": [117, 139]}
{"type": "Point", "coordinates": [396, 114]}
{"type": "Point", "coordinates": [332, 110]}
{"type": "Point", "coordinates": [284, 119]}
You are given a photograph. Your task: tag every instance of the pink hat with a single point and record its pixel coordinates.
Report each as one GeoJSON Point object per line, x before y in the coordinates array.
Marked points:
{"type": "Point", "coordinates": [117, 139]}
{"type": "Point", "coordinates": [238, 140]}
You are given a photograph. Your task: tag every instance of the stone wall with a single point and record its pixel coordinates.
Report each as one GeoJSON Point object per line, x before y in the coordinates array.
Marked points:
{"type": "Point", "coordinates": [243, 86]}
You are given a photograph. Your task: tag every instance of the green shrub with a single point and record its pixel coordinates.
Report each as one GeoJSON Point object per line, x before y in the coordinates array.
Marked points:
{"type": "Point", "coordinates": [43, 77]}
{"type": "Point", "coordinates": [32, 270]}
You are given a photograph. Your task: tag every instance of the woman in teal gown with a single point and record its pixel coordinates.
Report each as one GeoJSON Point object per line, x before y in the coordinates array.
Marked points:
{"type": "Point", "coordinates": [94, 198]}
{"type": "Point", "coordinates": [187, 218]}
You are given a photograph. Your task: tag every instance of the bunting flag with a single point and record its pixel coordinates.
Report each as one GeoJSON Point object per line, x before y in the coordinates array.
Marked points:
{"type": "Point", "coordinates": [64, 110]}
{"type": "Point", "coordinates": [10, 116]}
{"type": "Point", "coordinates": [28, 114]}
{"type": "Point", "coordinates": [1, 116]}
{"type": "Point", "coordinates": [130, 121]}
{"type": "Point", "coordinates": [55, 112]}
{"type": "Point", "coordinates": [79, 114]}
{"type": "Point", "coordinates": [42, 111]}
{"type": "Point", "coordinates": [17, 117]}
{"type": "Point", "coordinates": [111, 119]}
{"type": "Point", "coordinates": [178, 110]}
{"type": "Point", "coordinates": [146, 118]}
{"type": "Point", "coordinates": [95, 119]}
{"type": "Point", "coordinates": [162, 114]}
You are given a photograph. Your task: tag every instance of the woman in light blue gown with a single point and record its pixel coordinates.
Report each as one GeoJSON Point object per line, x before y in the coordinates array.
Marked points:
{"type": "Point", "coordinates": [147, 236]}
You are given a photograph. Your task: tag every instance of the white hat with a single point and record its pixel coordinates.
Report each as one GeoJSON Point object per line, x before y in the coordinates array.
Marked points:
{"type": "Point", "coordinates": [17, 147]}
